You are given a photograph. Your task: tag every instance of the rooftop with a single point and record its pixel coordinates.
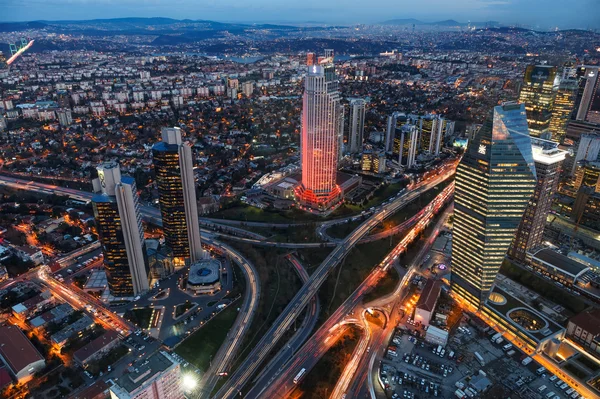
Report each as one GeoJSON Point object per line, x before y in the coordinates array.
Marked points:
{"type": "Point", "coordinates": [98, 344]}
{"type": "Point", "coordinates": [157, 363]}
{"type": "Point", "coordinates": [430, 295]}
{"type": "Point", "coordinates": [560, 261]}
{"type": "Point", "coordinates": [205, 271]}
{"type": "Point", "coordinates": [16, 350]}
{"type": "Point", "coordinates": [589, 321]}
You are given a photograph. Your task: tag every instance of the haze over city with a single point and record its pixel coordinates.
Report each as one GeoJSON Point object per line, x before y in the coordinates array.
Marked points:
{"type": "Point", "coordinates": [315, 200]}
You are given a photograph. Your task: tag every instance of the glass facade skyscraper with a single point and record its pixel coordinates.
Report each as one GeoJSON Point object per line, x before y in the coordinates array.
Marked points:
{"type": "Point", "coordinates": [538, 96]}
{"type": "Point", "coordinates": [173, 167]}
{"type": "Point", "coordinates": [320, 138]}
{"type": "Point", "coordinates": [494, 182]}
{"type": "Point", "coordinates": [119, 225]}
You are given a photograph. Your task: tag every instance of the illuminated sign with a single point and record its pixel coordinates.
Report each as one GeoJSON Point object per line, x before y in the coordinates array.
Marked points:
{"type": "Point", "coordinates": [314, 69]}
{"type": "Point", "coordinates": [482, 149]}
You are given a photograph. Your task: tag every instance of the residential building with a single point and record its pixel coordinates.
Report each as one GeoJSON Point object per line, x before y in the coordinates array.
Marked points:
{"type": "Point", "coordinates": [174, 170]}
{"type": "Point", "coordinates": [357, 124]}
{"type": "Point", "coordinates": [494, 182]}
{"type": "Point", "coordinates": [320, 140]}
{"type": "Point", "coordinates": [538, 96]}
{"type": "Point", "coordinates": [548, 161]}
{"type": "Point", "coordinates": [119, 224]}
{"type": "Point", "coordinates": [158, 378]}
{"type": "Point", "coordinates": [18, 353]}
{"type": "Point", "coordinates": [97, 348]}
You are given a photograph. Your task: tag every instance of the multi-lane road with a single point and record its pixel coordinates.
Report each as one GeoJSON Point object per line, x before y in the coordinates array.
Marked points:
{"type": "Point", "coordinates": [257, 356]}
{"type": "Point", "coordinates": [281, 384]}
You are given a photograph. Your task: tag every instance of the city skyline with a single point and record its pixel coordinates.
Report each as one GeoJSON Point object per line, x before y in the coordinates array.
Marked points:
{"type": "Point", "coordinates": [536, 14]}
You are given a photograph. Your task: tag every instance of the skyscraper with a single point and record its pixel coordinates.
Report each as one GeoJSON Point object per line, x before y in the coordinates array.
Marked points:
{"type": "Point", "coordinates": [320, 136]}
{"type": "Point", "coordinates": [392, 125]}
{"type": "Point", "coordinates": [357, 124]}
{"type": "Point", "coordinates": [589, 99]}
{"type": "Point", "coordinates": [548, 162]}
{"type": "Point", "coordinates": [119, 226]}
{"type": "Point", "coordinates": [587, 150]}
{"type": "Point", "coordinates": [494, 182]}
{"type": "Point", "coordinates": [431, 132]}
{"type": "Point", "coordinates": [406, 143]}
{"type": "Point", "coordinates": [562, 109]}
{"type": "Point", "coordinates": [538, 97]}
{"type": "Point", "coordinates": [174, 169]}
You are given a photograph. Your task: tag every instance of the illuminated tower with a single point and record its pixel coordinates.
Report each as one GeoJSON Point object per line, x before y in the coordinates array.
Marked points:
{"type": "Point", "coordinates": [548, 161]}
{"type": "Point", "coordinates": [357, 124]}
{"type": "Point", "coordinates": [537, 94]}
{"type": "Point", "coordinates": [494, 182]}
{"type": "Point", "coordinates": [119, 224]}
{"type": "Point", "coordinates": [407, 142]}
{"type": "Point", "coordinates": [589, 101]}
{"type": "Point", "coordinates": [174, 171]}
{"type": "Point", "coordinates": [320, 136]}
{"type": "Point", "coordinates": [564, 104]}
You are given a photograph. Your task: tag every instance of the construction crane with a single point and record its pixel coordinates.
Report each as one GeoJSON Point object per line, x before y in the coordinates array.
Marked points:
{"type": "Point", "coordinates": [16, 51]}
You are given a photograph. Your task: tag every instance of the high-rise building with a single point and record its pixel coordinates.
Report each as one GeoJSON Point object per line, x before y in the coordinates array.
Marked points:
{"type": "Point", "coordinates": [64, 117]}
{"type": "Point", "coordinates": [587, 150]}
{"type": "Point", "coordinates": [406, 143]}
{"type": "Point", "coordinates": [431, 133]}
{"type": "Point", "coordinates": [320, 138]}
{"type": "Point", "coordinates": [357, 124]}
{"type": "Point", "coordinates": [588, 102]}
{"type": "Point", "coordinates": [174, 169]}
{"type": "Point", "coordinates": [158, 378]}
{"type": "Point", "coordinates": [562, 109]}
{"type": "Point", "coordinates": [494, 182]}
{"type": "Point", "coordinates": [3, 123]}
{"type": "Point", "coordinates": [392, 124]}
{"type": "Point", "coordinates": [119, 225]}
{"type": "Point", "coordinates": [248, 88]}
{"type": "Point", "coordinates": [538, 96]}
{"type": "Point", "coordinates": [548, 162]}
{"type": "Point", "coordinates": [587, 174]}
{"type": "Point", "coordinates": [310, 59]}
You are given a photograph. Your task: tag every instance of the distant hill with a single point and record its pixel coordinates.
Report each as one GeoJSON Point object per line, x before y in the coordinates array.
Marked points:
{"type": "Point", "coordinates": [448, 22]}
{"type": "Point", "coordinates": [20, 26]}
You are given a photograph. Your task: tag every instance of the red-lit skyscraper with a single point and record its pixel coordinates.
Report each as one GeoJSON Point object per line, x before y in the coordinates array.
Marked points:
{"type": "Point", "coordinates": [320, 142]}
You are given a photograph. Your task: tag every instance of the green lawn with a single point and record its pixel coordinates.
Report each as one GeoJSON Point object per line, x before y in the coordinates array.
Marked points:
{"type": "Point", "coordinates": [543, 287]}
{"type": "Point", "coordinates": [201, 346]}
{"type": "Point", "coordinates": [140, 316]}
{"type": "Point", "coordinates": [341, 230]}
{"type": "Point", "coordinates": [182, 308]}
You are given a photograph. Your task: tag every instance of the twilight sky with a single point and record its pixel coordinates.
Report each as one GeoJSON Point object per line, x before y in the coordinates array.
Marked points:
{"type": "Point", "coordinates": [536, 13]}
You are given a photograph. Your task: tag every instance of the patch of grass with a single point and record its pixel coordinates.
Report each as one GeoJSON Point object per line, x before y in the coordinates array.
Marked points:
{"type": "Point", "coordinates": [139, 316]}
{"type": "Point", "coordinates": [199, 348]}
{"type": "Point", "coordinates": [386, 286]}
{"type": "Point", "coordinates": [320, 381]}
{"type": "Point", "coordinates": [341, 230]}
{"type": "Point", "coordinates": [303, 233]}
{"type": "Point", "coordinates": [182, 308]}
{"type": "Point", "coordinates": [542, 287]}
{"type": "Point", "coordinates": [354, 269]}
{"type": "Point", "coordinates": [383, 193]}
{"type": "Point", "coordinates": [311, 258]}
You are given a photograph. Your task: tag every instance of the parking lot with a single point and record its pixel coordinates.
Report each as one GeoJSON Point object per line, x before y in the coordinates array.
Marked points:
{"type": "Point", "coordinates": [413, 368]}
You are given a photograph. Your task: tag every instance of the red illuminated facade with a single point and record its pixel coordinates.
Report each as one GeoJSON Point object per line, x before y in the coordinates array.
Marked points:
{"type": "Point", "coordinates": [321, 113]}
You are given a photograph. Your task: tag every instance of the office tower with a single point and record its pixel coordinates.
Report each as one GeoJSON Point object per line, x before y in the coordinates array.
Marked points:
{"type": "Point", "coordinates": [562, 109]}
{"type": "Point", "coordinates": [392, 124]}
{"type": "Point", "coordinates": [431, 132]}
{"type": "Point", "coordinates": [494, 182]}
{"type": "Point", "coordinates": [587, 150]}
{"type": "Point", "coordinates": [537, 95]}
{"type": "Point", "coordinates": [3, 123]}
{"type": "Point", "coordinates": [588, 103]}
{"type": "Point", "coordinates": [319, 141]}
{"type": "Point", "coordinates": [310, 59]}
{"type": "Point", "coordinates": [548, 162]}
{"type": "Point", "coordinates": [340, 131]}
{"type": "Point", "coordinates": [405, 145]}
{"type": "Point", "coordinates": [119, 226]}
{"type": "Point", "coordinates": [587, 174]}
{"type": "Point", "coordinates": [357, 124]}
{"type": "Point", "coordinates": [174, 169]}
{"type": "Point", "coordinates": [159, 377]}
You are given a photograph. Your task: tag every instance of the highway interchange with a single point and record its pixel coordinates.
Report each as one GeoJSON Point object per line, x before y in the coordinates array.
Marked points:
{"type": "Point", "coordinates": [306, 295]}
